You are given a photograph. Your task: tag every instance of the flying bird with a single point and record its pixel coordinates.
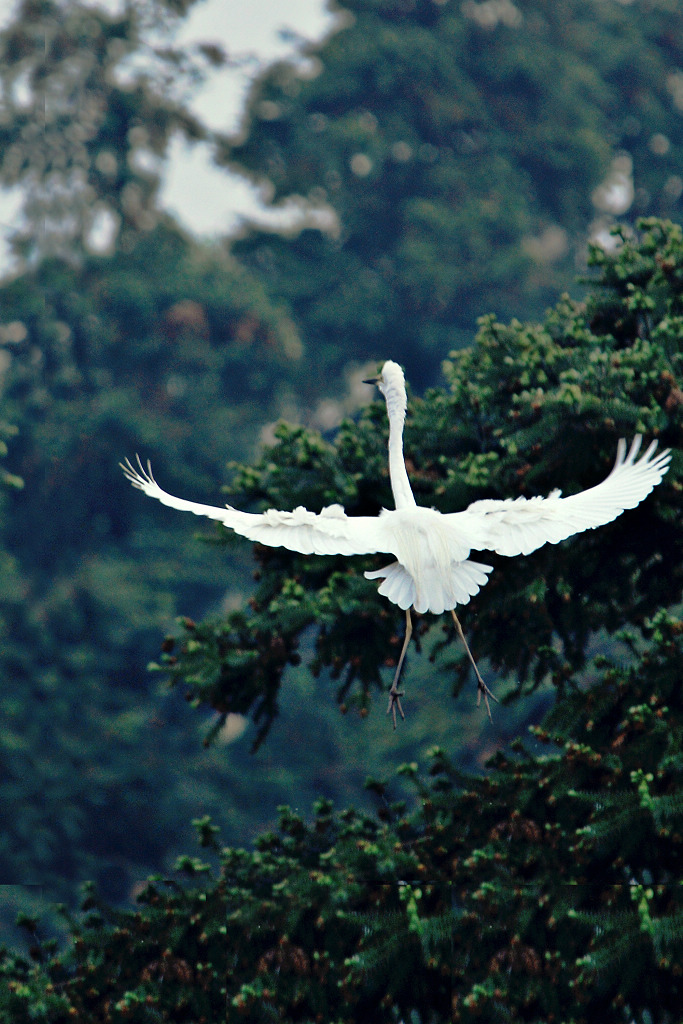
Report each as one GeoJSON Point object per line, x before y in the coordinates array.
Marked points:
{"type": "Point", "coordinates": [432, 570]}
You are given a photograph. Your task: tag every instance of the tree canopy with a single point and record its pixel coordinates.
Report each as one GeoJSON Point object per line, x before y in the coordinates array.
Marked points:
{"type": "Point", "coordinates": [528, 407]}
{"type": "Point", "coordinates": [466, 151]}
{"type": "Point", "coordinates": [451, 161]}
{"type": "Point", "coordinates": [514, 894]}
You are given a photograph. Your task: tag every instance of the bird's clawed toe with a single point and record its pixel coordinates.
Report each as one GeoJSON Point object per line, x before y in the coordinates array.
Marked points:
{"type": "Point", "coordinates": [395, 702]}
{"type": "Point", "coordinates": [482, 689]}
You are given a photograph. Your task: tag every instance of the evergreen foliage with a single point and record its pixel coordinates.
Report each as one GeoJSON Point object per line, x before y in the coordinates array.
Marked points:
{"type": "Point", "coordinates": [547, 888]}
{"type": "Point", "coordinates": [513, 896]}
{"type": "Point", "coordinates": [460, 150]}
{"type": "Point", "coordinates": [528, 407]}
{"type": "Point", "coordinates": [117, 354]}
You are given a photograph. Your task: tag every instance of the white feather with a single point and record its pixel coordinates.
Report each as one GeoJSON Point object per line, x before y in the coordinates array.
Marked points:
{"type": "Point", "coordinates": [330, 532]}
{"type": "Point", "coordinates": [520, 526]}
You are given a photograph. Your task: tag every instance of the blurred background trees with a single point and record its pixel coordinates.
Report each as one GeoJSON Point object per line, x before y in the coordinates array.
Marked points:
{"type": "Point", "coordinates": [151, 342]}
{"type": "Point", "coordinates": [464, 153]}
{"type": "Point", "coordinates": [442, 162]}
{"type": "Point", "coordinates": [90, 101]}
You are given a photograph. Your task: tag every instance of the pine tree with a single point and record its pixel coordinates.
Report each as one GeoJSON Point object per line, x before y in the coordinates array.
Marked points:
{"type": "Point", "coordinates": [528, 407]}
{"type": "Point", "coordinates": [545, 889]}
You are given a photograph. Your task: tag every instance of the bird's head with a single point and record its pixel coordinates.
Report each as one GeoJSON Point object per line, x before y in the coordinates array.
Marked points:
{"type": "Point", "coordinates": [391, 383]}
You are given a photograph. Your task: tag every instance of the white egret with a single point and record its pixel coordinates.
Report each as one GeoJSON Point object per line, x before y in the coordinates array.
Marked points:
{"type": "Point", "coordinates": [432, 571]}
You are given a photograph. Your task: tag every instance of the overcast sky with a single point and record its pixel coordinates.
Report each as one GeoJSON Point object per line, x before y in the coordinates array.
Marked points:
{"type": "Point", "coordinates": [203, 198]}
{"type": "Point", "coordinates": [242, 28]}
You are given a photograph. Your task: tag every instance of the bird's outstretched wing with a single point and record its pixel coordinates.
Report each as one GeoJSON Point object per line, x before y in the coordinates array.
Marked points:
{"type": "Point", "coordinates": [331, 532]}
{"type": "Point", "coordinates": [519, 526]}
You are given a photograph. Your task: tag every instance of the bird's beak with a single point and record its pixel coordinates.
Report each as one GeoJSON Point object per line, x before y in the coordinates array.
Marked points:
{"type": "Point", "coordinates": [372, 380]}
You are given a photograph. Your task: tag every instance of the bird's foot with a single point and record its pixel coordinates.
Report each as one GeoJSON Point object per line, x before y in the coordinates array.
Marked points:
{"type": "Point", "coordinates": [483, 690]}
{"type": "Point", "coordinates": [395, 702]}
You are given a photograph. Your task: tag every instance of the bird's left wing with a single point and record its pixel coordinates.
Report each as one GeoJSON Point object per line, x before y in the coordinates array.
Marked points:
{"type": "Point", "coordinates": [519, 526]}
{"type": "Point", "coordinates": [330, 532]}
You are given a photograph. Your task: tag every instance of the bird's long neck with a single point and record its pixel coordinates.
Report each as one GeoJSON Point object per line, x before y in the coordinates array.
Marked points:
{"type": "Point", "coordinates": [400, 484]}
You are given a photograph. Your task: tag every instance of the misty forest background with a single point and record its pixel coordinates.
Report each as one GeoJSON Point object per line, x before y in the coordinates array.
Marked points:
{"type": "Point", "coordinates": [444, 163]}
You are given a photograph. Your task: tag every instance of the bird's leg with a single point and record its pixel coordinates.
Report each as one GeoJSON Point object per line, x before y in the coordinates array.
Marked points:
{"type": "Point", "coordinates": [394, 693]}
{"type": "Point", "coordinates": [481, 685]}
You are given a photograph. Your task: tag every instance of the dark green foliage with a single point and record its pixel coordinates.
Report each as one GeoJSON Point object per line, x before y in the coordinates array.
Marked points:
{"type": "Point", "coordinates": [548, 890]}
{"type": "Point", "coordinates": [460, 148]}
{"type": "Point", "coordinates": [459, 157]}
{"type": "Point", "coordinates": [134, 349]}
{"type": "Point", "coordinates": [520, 895]}
{"type": "Point", "coordinates": [115, 356]}
{"type": "Point", "coordinates": [7, 431]}
{"type": "Point", "coordinates": [529, 407]}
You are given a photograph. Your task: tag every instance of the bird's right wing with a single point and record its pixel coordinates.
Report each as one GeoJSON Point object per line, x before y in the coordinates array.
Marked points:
{"type": "Point", "coordinates": [519, 526]}
{"type": "Point", "coordinates": [330, 532]}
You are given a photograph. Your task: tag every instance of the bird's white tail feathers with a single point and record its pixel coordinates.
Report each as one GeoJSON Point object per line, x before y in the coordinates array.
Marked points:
{"type": "Point", "coordinates": [438, 591]}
